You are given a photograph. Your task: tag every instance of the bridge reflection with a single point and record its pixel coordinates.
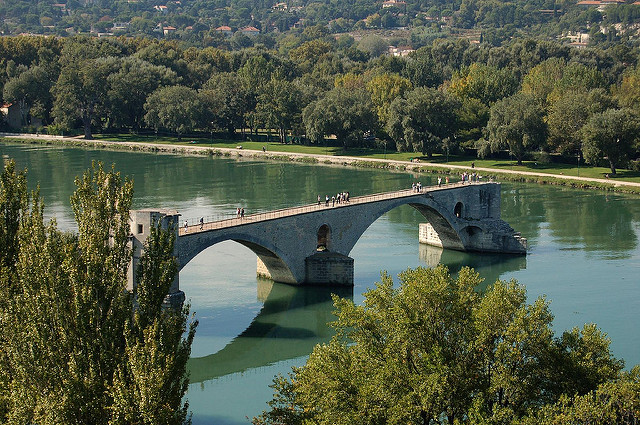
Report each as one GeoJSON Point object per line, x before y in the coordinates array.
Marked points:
{"type": "Point", "coordinates": [291, 322]}
{"type": "Point", "coordinates": [490, 266]}
{"type": "Point", "coordinates": [294, 319]}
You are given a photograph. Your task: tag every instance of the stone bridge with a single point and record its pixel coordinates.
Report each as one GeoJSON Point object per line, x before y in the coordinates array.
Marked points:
{"type": "Point", "coordinates": [310, 244]}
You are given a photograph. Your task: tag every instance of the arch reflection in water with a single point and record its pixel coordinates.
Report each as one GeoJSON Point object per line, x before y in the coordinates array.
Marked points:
{"type": "Point", "coordinates": [291, 322]}
{"type": "Point", "coordinates": [490, 266]}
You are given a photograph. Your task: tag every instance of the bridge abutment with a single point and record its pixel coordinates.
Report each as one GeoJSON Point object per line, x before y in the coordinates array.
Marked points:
{"type": "Point", "coordinates": [141, 222]}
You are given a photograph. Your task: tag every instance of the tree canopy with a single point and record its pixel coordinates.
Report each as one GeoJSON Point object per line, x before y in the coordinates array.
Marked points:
{"type": "Point", "coordinates": [435, 350]}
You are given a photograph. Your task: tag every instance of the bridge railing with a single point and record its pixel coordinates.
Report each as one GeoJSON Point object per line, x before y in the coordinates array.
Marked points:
{"type": "Point", "coordinates": [219, 221]}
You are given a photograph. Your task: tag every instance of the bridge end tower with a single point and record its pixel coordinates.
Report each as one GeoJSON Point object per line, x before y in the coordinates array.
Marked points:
{"type": "Point", "coordinates": [140, 222]}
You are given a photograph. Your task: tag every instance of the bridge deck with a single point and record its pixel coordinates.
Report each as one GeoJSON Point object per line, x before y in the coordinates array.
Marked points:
{"type": "Point", "coordinates": [231, 220]}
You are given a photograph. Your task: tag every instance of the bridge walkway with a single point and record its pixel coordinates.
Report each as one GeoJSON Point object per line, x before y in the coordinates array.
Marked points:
{"type": "Point", "coordinates": [223, 221]}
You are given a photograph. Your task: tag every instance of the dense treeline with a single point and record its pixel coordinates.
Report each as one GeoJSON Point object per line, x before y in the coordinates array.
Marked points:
{"type": "Point", "coordinates": [528, 96]}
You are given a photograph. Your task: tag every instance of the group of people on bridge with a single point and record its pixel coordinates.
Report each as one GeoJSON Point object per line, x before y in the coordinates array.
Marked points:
{"type": "Point", "coordinates": [342, 197]}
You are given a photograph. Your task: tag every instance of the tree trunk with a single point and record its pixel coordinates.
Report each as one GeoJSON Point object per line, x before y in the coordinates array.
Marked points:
{"type": "Point", "coordinates": [613, 167]}
{"type": "Point", "coordinates": [86, 122]}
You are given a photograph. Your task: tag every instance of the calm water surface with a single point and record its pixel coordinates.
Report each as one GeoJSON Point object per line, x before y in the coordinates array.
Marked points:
{"type": "Point", "coordinates": [584, 257]}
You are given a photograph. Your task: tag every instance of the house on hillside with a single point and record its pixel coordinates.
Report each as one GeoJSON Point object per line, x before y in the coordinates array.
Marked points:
{"type": "Point", "coordinates": [394, 3]}
{"type": "Point", "coordinates": [226, 30]}
{"type": "Point", "coordinates": [401, 51]}
{"type": "Point", "coordinates": [249, 31]}
{"type": "Point", "coordinates": [168, 30]}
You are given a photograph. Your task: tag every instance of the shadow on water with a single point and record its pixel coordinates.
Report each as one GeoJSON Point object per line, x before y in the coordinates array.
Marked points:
{"type": "Point", "coordinates": [291, 322]}
{"type": "Point", "coordinates": [294, 319]}
{"type": "Point", "coordinates": [489, 266]}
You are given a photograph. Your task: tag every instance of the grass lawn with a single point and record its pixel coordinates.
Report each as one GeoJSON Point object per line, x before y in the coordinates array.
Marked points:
{"type": "Point", "coordinates": [498, 164]}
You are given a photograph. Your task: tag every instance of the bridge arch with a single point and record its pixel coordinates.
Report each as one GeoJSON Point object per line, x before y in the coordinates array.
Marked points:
{"type": "Point", "coordinates": [440, 219]}
{"type": "Point", "coordinates": [272, 260]}
{"type": "Point", "coordinates": [324, 237]}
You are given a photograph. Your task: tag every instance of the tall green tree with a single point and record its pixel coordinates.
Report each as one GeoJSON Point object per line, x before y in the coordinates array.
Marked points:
{"type": "Point", "coordinates": [128, 89]}
{"type": "Point", "coordinates": [279, 106]}
{"type": "Point", "coordinates": [346, 113]}
{"type": "Point", "coordinates": [174, 108]}
{"type": "Point", "coordinates": [75, 349]}
{"type": "Point", "coordinates": [81, 91]}
{"type": "Point", "coordinates": [568, 113]}
{"type": "Point", "coordinates": [226, 100]}
{"type": "Point", "coordinates": [422, 121]}
{"type": "Point", "coordinates": [611, 135]}
{"type": "Point", "coordinates": [31, 91]}
{"type": "Point", "coordinates": [516, 123]}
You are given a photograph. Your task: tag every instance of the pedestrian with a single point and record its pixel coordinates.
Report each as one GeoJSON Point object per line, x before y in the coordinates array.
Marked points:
{"type": "Point", "coordinates": [333, 201]}
{"type": "Point", "coordinates": [238, 213]}
{"type": "Point", "coordinates": [446, 180]}
{"type": "Point", "coordinates": [186, 226]}
{"type": "Point", "coordinates": [264, 149]}
{"type": "Point", "coordinates": [318, 199]}
{"type": "Point", "coordinates": [473, 165]}
{"type": "Point", "coordinates": [326, 200]}
{"type": "Point", "coordinates": [201, 222]}
{"type": "Point", "coordinates": [439, 181]}
{"type": "Point", "coordinates": [242, 213]}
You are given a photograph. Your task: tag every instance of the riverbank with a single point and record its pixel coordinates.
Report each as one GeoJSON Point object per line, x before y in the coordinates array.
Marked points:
{"type": "Point", "coordinates": [413, 166]}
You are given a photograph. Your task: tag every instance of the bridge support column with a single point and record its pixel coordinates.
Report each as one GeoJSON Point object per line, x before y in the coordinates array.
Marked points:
{"type": "Point", "coordinates": [140, 225]}
{"type": "Point", "coordinates": [329, 268]}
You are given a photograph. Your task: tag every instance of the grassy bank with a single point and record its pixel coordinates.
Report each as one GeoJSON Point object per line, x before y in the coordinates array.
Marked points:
{"type": "Point", "coordinates": [502, 169]}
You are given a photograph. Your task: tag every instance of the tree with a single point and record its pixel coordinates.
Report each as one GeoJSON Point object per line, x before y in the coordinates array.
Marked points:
{"type": "Point", "coordinates": [433, 350]}
{"type": "Point", "coordinates": [611, 134]}
{"type": "Point", "coordinates": [175, 108]}
{"type": "Point", "coordinates": [279, 105]}
{"type": "Point", "coordinates": [568, 114]}
{"type": "Point", "coordinates": [628, 92]}
{"type": "Point", "coordinates": [423, 121]}
{"type": "Point", "coordinates": [384, 88]}
{"type": "Point", "coordinates": [347, 114]}
{"type": "Point", "coordinates": [129, 87]}
{"type": "Point", "coordinates": [482, 82]}
{"type": "Point", "coordinates": [80, 91]}
{"type": "Point", "coordinates": [516, 123]}
{"type": "Point", "coordinates": [226, 101]}
{"type": "Point", "coordinates": [615, 402]}
{"type": "Point", "coordinates": [29, 89]}
{"type": "Point", "coordinates": [77, 347]}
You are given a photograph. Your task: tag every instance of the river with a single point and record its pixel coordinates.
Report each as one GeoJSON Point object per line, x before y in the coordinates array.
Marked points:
{"type": "Point", "coordinates": [583, 256]}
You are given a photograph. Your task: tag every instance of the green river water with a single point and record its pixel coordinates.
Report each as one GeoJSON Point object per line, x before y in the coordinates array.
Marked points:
{"type": "Point", "coordinates": [583, 256]}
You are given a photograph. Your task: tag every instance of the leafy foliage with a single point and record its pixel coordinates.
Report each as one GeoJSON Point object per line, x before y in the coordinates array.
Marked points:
{"type": "Point", "coordinates": [436, 351]}
{"type": "Point", "coordinates": [75, 350]}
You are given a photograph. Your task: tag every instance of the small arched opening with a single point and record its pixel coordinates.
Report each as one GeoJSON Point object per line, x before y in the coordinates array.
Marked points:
{"type": "Point", "coordinates": [324, 238]}
{"type": "Point", "coordinates": [457, 210]}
